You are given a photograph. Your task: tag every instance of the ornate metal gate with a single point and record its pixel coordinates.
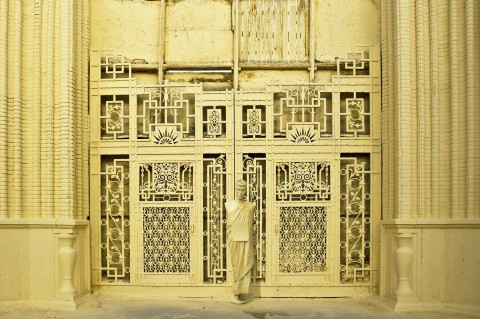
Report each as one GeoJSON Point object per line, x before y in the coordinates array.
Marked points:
{"type": "Point", "coordinates": [164, 159]}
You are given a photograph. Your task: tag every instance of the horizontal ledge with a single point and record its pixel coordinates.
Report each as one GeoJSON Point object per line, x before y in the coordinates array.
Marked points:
{"type": "Point", "coordinates": [274, 66]}
{"type": "Point", "coordinates": [153, 67]}
{"type": "Point", "coordinates": [197, 66]}
{"type": "Point", "coordinates": [431, 223]}
{"type": "Point", "coordinates": [39, 222]}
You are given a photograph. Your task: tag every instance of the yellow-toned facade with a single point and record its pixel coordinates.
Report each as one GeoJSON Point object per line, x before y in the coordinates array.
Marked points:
{"type": "Point", "coordinates": [124, 125]}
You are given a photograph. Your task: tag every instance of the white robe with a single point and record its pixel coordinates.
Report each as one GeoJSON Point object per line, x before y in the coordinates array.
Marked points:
{"type": "Point", "coordinates": [240, 244]}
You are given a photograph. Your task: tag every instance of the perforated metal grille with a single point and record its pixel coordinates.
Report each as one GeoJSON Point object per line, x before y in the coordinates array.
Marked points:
{"type": "Point", "coordinates": [166, 239]}
{"type": "Point", "coordinates": [303, 239]}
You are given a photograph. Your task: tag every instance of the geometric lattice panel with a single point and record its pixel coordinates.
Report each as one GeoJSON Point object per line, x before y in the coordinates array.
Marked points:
{"type": "Point", "coordinates": [166, 239]}
{"type": "Point", "coordinates": [303, 239]}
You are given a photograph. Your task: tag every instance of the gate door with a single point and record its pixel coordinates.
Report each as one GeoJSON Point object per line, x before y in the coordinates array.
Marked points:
{"type": "Point", "coordinates": [289, 169]}
{"type": "Point", "coordinates": [165, 159]}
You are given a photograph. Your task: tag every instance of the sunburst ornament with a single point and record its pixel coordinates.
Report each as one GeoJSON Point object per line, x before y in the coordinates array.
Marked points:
{"type": "Point", "coordinates": [303, 136]}
{"type": "Point", "coordinates": [166, 136]}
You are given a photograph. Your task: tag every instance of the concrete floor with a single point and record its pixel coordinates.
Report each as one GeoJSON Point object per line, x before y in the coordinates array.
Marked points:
{"type": "Point", "coordinates": [202, 308]}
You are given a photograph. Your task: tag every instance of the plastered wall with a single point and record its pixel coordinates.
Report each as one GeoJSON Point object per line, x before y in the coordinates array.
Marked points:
{"type": "Point", "coordinates": [444, 269]}
{"type": "Point", "coordinates": [201, 32]}
{"type": "Point", "coordinates": [341, 24]}
{"type": "Point", "coordinates": [31, 269]}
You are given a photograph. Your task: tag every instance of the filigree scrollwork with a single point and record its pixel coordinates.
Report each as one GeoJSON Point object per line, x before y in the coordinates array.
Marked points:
{"type": "Point", "coordinates": [114, 117]}
{"type": "Point", "coordinates": [214, 127]}
{"type": "Point", "coordinates": [254, 173]}
{"type": "Point", "coordinates": [214, 121]}
{"type": "Point", "coordinates": [214, 231]}
{"type": "Point", "coordinates": [354, 114]}
{"type": "Point", "coordinates": [307, 108]}
{"type": "Point", "coordinates": [355, 221]}
{"type": "Point", "coordinates": [355, 121]}
{"type": "Point", "coordinates": [253, 126]}
{"type": "Point", "coordinates": [303, 181]}
{"type": "Point", "coordinates": [166, 181]}
{"type": "Point", "coordinates": [303, 240]}
{"type": "Point", "coordinates": [254, 121]}
{"type": "Point", "coordinates": [166, 239]}
{"type": "Point", "coordinates": [115, 223]}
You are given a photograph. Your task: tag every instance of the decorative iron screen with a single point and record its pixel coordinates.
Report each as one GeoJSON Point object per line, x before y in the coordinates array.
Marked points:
{"type": "Point", "coordinates": [166, 239]}
{"type": "Point", "coordinates": [355, 219]}
{"type": "Point", "coordinates": [166, 181]}
{"type": "Point", "coordinates": [165, 159]}
{"type": "Point", "coordinates": [303, 239]}
{"type": "Point", "coordinates": [303, 181]}
{"type": "Point", "coordinates": [214, 234]}
{"type": "Point", "coordinates": [115, 219]}
{"type": "Point", "coordinates": [254, 173]}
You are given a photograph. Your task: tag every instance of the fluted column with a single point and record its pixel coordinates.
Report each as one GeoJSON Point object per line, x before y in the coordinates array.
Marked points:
{"type": "Point", "coordinates": [430, 150]}
{"type": "Point", "coordinates": [44, 109]}
{"type": "Point", "coordinates": [472, 70]}
{"type": "Point", "coordinates": [46, 121]}
{"type": "Point", "coordinates": [14, 102]}
{"type": "Point", "coordinates": [3, 109]}
{"type": "Point", "coordinates": [431, 135]}
{"type": "Point", "coordinates": [402, 111]}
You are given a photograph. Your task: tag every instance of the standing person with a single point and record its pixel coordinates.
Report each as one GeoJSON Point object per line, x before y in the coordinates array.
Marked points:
{"type": "Point", "coordinates": [240, 240]}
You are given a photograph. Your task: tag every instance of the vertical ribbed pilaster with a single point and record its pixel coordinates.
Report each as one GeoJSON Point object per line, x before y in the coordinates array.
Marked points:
{"type": "Point", "coordinates": [386, 93]}
{"type": "Point", "coordinates": [443, 156]}
{"type": "Point", "coordinates": [457, 117]}
{"type": "Point", "coordinates": [437, 136]}
{"type": "Point", "coordinates": [30, 110]}
{"type": "Point", "coordinates": [37, 102]}
{"type": "Point", "coordinates": [434, 105]}
{"type": "Point", "coordinates": [403, 108]}
{"type": "Point", "coordinates": [472, 108]}
{"type": "Point", "coordinates": [43, 109]}
{"type": "Point", "coordinates": [413, 176]}
{"type": "Point", "coordinates": [475, 141]}
{"type": "Point", "coordinates": [78, 115]}
{"type": "Point", "coordinates": [3, 108]}
{"type": "Point", "coordinates": [388, 118]}
{"type": "Point", "coordinates": [26, 109]}
{"type": "Point", "coordinates": [85, 124]}
{"type": "Point", "coordinates": [47, 153]}
{"type": "Point", "coordinates": [65, 82]}
{"type": "Point", "coordinates": [14, 95]}
{"type": "Point", "coordinates": [420, 103]}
